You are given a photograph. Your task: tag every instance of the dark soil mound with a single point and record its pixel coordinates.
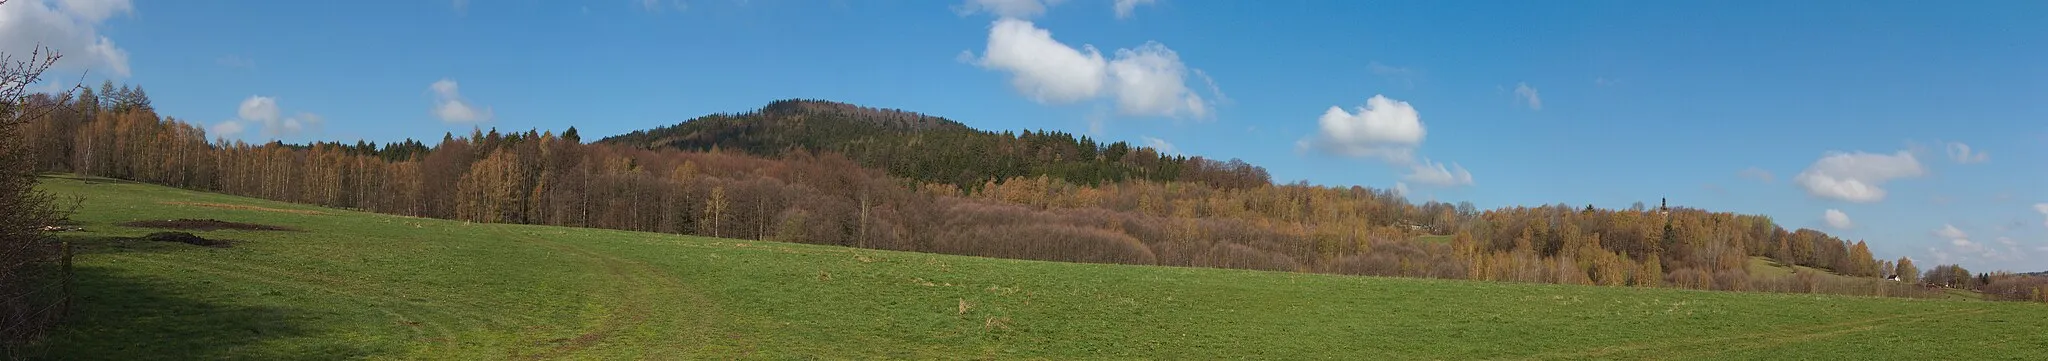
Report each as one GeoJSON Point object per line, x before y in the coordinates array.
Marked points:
{"type": "Point", "coordinates": [204, 225]}
{"type": "Point", "coordinates": [186, 238]}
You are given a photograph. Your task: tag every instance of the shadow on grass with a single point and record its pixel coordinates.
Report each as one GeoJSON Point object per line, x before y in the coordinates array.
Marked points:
{"type": "Point", "coordinates": [98, 243]}
{"type": "Point", "coordinates": [122, 315]}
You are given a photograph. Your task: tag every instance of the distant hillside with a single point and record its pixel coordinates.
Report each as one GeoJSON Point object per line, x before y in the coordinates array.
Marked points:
{"type": "Point", "coordinates": [933, 149]}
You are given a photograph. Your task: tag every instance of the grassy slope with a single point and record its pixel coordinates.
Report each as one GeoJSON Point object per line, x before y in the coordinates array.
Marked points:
{"type": "Point", "coordinates": [357, 285]}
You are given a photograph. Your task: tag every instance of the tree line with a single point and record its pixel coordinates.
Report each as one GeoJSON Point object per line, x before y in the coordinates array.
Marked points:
{"type": "Point", "coordinates": [828, 197]}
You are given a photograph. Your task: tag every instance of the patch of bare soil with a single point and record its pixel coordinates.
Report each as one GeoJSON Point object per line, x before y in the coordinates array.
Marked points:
{"type": "Point", "coordinates": [186, 238]}
{"type": "Point", "coordinates": [244, 207]}
{"type": "Point", "coordinates": [205, 225]}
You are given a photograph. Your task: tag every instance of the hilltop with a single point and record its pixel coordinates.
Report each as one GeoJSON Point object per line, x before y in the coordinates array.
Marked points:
{"type": "Point", "coordinates": [933, 149]}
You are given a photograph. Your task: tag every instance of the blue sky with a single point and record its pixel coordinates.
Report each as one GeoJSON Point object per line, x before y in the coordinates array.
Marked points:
{"type": "Point", "coordinates": [1789, 109]}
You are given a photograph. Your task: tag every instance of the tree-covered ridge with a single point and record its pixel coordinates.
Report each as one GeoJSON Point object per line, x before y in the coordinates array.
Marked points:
{"type": "Point", "coordinates": [933, 149]}
{"type": "Point", "coordinates": [826, 197]}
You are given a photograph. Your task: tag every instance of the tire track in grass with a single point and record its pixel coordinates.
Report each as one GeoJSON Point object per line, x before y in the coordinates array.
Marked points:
{"type": "Point", "coordinates": [638, 288]}
{"type": "Point", "coordinates": [1782, 340]}
{"type": "Point", "coordinates": [1695, 343]}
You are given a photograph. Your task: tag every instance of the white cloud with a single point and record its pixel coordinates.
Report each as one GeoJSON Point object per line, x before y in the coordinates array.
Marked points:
{"type": "Point", "coordinates": [451, 107]}
{"type": "Point", "coordinates": [1432, 173]}
{"type": "Point", "coordinates": [264, 112]}
{"type": "Point", "coordinates": [2043, 208]}
{"type": "Point", "coordinates": [1124, 8]}
{"type": "Point", "coordinates": [1759, 174]}
{"type": "Point", "coordinates": [1401, 188]}
{"type": "Point", "coordinates": [1837, 219]}
{"type": "Point", "coordinates": [259, 108]}
{"type": "Point", "coordinates": [1040, 67]}
{"type": "Point", "coordinates": [96, 10]}
{"type": "Point", "coordinates": [1160, 145]}
{"type": "Point", "coordinates": [1384, 128]}
{"type": "Point", "coordinates": [225, 129]}
{"type": "Point", "coordinates": [1953, 234]}
{"type": "Point", "coordinates": [71, 28]}
{"type": "Point", "coordinates": [1528, 95]}
{"type": "Point", "coordinates": [1021, 9]}
{"type": "Point", "coordinates": [1856, 177]}
{"type": "Point", "coordinates": [461, 6]}
{"type": "Point", "coordinates": [1150, 80]}
{"type": "Point", "coordinates": [1961, 154]}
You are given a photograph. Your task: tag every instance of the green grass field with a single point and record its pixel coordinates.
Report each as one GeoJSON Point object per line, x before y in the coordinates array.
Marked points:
{"type": "Point", "coordinates": [355, 285]}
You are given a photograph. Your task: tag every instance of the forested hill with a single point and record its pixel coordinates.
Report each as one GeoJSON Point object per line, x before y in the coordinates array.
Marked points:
{"type": "Point", "coordinates": [934, 149]}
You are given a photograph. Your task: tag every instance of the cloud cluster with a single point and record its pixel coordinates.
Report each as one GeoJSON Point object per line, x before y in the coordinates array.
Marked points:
{"type": "Point", "coordinates": [264, 113]}
{"type": "Point", "coordinates": [1856, 177]}
{"type": "Point", "coordinates": [70, 27]}
{"type": "Point", "coordinates": [1149, 80]}
{"type": "Point", "coordinates": [1835, 218]}
{"type": "Point", "coordinates": [451, 107]}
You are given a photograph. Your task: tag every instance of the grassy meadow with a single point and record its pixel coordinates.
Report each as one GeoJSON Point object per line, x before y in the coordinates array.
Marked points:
{"type": "Point", "coordinates": [352, 285]}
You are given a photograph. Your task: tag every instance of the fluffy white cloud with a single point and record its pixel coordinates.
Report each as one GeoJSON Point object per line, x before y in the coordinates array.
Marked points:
{"type": "Point", "coordinates": [1527, 95]}
{"type": "Point", "coordinates": [1384, 128]}
{"type": "Point", "coordinates": [1432, 173]}
{"type": "Point", "coordinates": [1150, 80]}
{"type": "Point", "coordinates": [1124, 8]}
{"type": "Point", "coordinates": [1856, 177]}
{"type": "Point", "coordinates": [1961, 154]}
{"type": "Point", "coordinates": [1837, 219]}
{"type": "Point", "coordinates": [263, 111]}
{"type": "Point", "coordinates": [2043, 208]}
{"type": "Point", "coordinates": [70, 27]}
{"type": "Point", "coordinates": [1043, 68]}
{"type": "Point", "coordinates": [1401, 188]}
{"type": "Point", "coordinates": [1022, 9]}
{"type": "Point", "coordinates": [1160, 145]}
{"type": "Point", "coordinates": [1759, 174]}
{"type": "Point", "coordinates": [451, 107]}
